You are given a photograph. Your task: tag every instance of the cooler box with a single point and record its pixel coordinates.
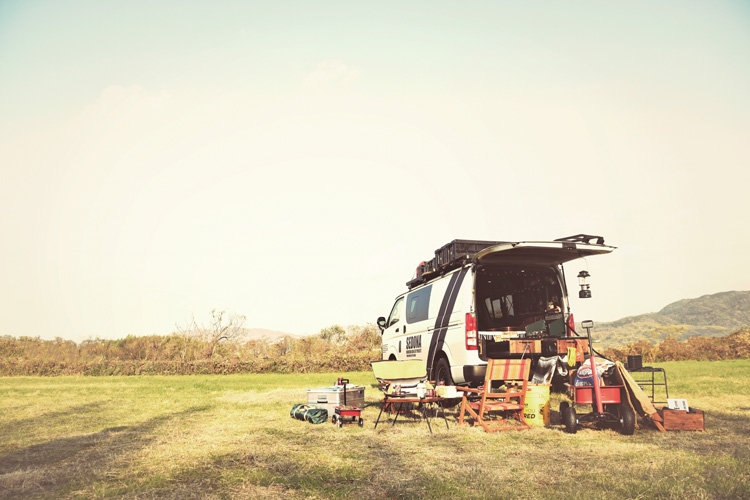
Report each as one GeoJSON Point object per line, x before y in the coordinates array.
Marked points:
{"type": "Point", "coordinates": [331, 397]}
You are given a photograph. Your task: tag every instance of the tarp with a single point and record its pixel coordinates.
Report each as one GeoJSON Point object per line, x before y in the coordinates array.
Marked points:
{"type": "Point", "coordinates": [638, 399]}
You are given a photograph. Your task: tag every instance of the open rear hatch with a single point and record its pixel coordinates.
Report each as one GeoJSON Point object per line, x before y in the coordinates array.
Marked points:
{"type": "Point", "coordinates": [515, 280]}
{"type": "Point", "coordinates": [539, 252]}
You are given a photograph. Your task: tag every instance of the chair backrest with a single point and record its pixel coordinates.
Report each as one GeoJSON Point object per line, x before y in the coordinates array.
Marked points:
{"type": "Point", "coordinates": [507, 369]}
{"type": "Point", "coordinates": [405, 373]}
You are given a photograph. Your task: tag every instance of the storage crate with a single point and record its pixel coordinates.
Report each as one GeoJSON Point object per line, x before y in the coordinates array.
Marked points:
{"type": "Point", "coordinates": [525, 346]}
{"type": "Point", "coordinates": [331, 397]}
{"type": "Point", "coordinates": [457, 250]}
{"type": "Point", "coordinates": [681, 420]}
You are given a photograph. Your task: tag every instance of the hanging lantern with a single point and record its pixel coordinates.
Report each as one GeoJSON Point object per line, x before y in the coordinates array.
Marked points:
{"type": "Point", "coordinates": [583, 282]}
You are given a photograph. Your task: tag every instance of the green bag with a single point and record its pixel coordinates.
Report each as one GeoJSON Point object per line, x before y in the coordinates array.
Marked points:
{"type": "Point", "coordinates": [316, 415]}
{"type": "Point", "coordinates": [298, 411]}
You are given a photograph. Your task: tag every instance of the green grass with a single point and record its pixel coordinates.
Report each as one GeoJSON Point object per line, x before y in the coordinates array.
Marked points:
{"type": "Point", "coordinates": [232, 437]}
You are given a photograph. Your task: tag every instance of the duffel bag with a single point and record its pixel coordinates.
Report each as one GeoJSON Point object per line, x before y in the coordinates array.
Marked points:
{"type": "Point", "coordinates": [298, 411]}
{"type": "Point", "coordinates": [316, 415]}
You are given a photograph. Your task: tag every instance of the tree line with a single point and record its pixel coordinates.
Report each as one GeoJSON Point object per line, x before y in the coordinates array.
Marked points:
{"type": "Point", "coordinates": [219, 350]}
{"type": "Point", "coordinates": [193, 351]}
{"type": "Point", "coordinates": [733, 346]}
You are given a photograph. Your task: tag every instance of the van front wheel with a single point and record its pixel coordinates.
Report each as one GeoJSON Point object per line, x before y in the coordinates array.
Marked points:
{"type": "Point", "coordinates": [442, 372]}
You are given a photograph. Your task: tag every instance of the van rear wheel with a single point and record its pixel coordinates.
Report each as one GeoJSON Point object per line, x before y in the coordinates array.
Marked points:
{"type": "Point", "coordinates": [442, 372]}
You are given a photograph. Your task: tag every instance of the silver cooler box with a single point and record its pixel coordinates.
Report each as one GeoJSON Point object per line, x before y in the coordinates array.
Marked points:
{"type": "Point", "coordinates": [331, 397]}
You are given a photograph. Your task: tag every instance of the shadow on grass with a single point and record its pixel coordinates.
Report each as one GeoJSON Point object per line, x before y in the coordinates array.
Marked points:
{"type": "Point", "coordinates": [54, 468]}
{"type": "Point", "coordinates": [295, 464]}
{"type": "Point", "coordinates": [265, 474]}
{"type": "Point", "coordinates": [76, 411]}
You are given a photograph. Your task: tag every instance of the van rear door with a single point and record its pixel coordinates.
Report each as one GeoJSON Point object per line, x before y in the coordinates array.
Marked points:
{"type": "Point", "coordinates": [539, 252]}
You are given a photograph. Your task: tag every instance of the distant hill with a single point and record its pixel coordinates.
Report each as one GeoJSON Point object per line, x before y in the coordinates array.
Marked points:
{"type": "Point", "coordinates": [707, 316]}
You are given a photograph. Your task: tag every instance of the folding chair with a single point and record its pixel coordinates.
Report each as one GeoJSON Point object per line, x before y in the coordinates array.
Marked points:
{"type": "Point", "coordinates": [494, 408]}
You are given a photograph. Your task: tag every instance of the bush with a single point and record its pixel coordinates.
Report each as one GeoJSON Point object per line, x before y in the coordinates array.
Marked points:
{"type": "Point", "coordinates": [733, 346]}
{"type": "Point", "coordinates": [333, 349]}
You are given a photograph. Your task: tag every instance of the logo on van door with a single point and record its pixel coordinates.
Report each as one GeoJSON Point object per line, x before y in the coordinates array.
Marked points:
{"type": "Point", "coordinates": [413, 345]}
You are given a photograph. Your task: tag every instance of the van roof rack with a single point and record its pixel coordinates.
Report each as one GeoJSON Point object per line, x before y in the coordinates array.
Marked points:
{"type": "Point", "coordinates": [582, 238]}
{"type": "Point", "coordinates": [460, 252]}
{"type": "Point", "coordinates": [448, 257]}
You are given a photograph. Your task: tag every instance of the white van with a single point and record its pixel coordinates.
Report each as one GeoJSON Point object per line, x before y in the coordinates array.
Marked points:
{"type": "Point", "coordinates": [487, 299]}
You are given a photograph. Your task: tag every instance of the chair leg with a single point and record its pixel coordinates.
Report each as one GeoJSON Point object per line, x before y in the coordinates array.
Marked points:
{"type": "Point", "coordinates": [462, 412]}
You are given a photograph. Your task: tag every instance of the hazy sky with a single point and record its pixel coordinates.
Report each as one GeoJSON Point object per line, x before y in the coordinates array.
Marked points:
{"type": "Point", "coordinates": [295, 161]}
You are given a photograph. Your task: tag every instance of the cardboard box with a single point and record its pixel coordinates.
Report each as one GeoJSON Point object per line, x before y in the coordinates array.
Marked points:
{"type": "Point", "coordinates": [681, 420]}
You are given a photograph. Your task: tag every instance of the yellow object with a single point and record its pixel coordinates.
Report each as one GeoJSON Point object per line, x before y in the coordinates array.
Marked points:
{"type": "Point", "coordinates": [536, 410]}
{"type": "Point", "coordinates": [571, 356]}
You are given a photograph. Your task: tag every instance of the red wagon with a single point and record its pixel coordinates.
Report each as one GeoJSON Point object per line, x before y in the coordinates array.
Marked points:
{"type": "Point", "coordinates": [609, 403]}
{"type": "Point", "coordinates": [344, 414]}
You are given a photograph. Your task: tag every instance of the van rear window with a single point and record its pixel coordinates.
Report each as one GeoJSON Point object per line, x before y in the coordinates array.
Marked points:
{"type": "Point", "coordinates": [515, 296]}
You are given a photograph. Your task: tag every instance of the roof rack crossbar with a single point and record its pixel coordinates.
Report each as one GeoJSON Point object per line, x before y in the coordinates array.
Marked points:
{"type": "Point", "coordinates": [582, 238]}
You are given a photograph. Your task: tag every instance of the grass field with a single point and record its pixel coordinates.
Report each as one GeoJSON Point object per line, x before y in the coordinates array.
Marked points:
{"type": "Point", "coordinates": [232, 437]}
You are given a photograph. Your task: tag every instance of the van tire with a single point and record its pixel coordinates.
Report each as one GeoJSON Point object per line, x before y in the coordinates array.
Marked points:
{"type": "Point", "coordinates": [442, 372]}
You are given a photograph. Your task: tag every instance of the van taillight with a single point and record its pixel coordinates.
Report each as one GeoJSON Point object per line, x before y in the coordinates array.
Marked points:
{"type": "Point", "coordinates": [571, 325]}
{"type": "Point", "coordinates": [471, 332]}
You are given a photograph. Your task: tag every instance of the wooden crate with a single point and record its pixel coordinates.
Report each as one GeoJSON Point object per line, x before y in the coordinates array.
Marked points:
{"type": "Point", "coordinates": [525, 346]}
{"type": "Point", "coordinates": [681, 420]}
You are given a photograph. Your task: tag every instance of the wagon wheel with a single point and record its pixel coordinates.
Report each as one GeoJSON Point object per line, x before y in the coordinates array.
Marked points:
{"type": "Point", "coordinates": [361, 422]}
{"type": "Point", "coordinates": [627, 419]}
{"type": "Point", "coordinates": [333, 419]}
{"type": "Point", "coordinates": [569, 420]}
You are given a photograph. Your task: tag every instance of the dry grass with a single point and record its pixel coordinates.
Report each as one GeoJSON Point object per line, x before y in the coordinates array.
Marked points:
{"type": "Point", "coordinates": [232, 437]}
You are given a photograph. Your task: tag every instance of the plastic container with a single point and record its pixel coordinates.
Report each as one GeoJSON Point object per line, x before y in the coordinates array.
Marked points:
{"type": "Point", "coordinates": [635, 362]}
{"type": "Point", "coordinates": [537, 409]}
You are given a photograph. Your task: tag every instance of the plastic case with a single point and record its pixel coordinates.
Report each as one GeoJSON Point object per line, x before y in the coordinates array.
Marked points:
{"type": "Point", "coordinates": [331, 397]}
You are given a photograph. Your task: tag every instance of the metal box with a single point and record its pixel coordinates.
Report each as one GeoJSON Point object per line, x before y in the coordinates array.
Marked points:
{"type": "Point", "coordinates": [331, 397]}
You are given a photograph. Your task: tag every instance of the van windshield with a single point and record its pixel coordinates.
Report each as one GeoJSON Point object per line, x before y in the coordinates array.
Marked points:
{"type": "Point", "coordinates": [512, 297]}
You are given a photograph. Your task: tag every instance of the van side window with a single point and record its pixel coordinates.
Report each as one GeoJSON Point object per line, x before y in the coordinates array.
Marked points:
{"type": "Point", "coordinates": [395, 315]}
{"type": "Point", "coordinates": [418, 305]}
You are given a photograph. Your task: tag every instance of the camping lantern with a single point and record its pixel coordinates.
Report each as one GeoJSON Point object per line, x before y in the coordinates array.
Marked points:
{"type": "Point", "coordinates": [583, 281]}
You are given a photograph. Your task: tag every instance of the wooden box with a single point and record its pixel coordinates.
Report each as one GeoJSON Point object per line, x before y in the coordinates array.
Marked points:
{"type": "Point", "coordinates": [681, 420]}
{"type": "Point", "coordinates": [525, 346]}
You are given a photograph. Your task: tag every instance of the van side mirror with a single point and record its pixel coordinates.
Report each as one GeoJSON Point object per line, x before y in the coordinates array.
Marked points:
{"type": "Point", "coordinates": [381, 324]}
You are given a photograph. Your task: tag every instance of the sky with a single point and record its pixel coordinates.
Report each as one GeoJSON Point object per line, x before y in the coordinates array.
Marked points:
{"type": "Point", "coordinates": [293, 162]}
